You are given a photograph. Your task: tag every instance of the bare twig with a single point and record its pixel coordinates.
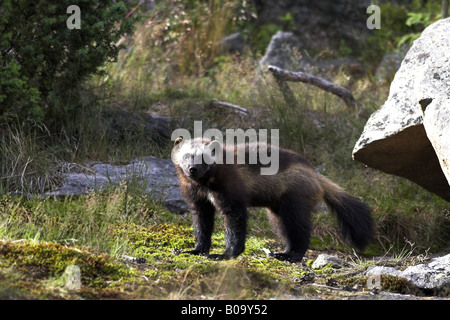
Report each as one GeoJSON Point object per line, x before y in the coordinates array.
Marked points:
{"type": "Point", "coordinates": [341, 92]}
{"type": "Point", "coordinates": [229, 106]}
{"type": "Point", "coordinates": [287, 92]}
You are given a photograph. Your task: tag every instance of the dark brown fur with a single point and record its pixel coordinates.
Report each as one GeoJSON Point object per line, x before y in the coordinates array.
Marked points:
{"type": "Point", "coordinates": [290, 196]}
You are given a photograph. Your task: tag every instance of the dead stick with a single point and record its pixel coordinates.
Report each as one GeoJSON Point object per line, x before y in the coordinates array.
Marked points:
{"type": "Point", "coordinates": [230, 106]}
{"type": "Point", "coordinates": [287, 93]}
{"type": "Point", "coordinates": [341, 92]}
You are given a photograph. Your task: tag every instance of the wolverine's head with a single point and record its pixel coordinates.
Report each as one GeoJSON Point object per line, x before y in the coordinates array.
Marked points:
{"type": "Point", "coordinates": [195, 157]}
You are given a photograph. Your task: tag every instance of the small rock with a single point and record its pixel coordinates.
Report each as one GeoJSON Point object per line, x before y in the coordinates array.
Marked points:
{"type": "Point", "coordinates": [128, 258]}
{"type": "Point", "coordinates": [72, 277]}
{"type": "Point", "coordinates": [391, 63]}
{"type": "Point", "coordinates": [131, 259]}
{"type": "Point", "coordinates": [124, 124]}
{"type": "Point", "coordinates": [233, 43]}
{"type": "Point", "coordinates": [433, 275]}
{"type": "Point", "coordinates": [383, 271]}
{"type": "Point", "coordinates": [285, 51]}
{"type": "Point", "coordinates": [326, 259]}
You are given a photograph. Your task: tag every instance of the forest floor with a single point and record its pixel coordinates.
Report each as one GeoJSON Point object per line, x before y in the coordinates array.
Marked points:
{"type": "Point", "coordinates": [151, 265]}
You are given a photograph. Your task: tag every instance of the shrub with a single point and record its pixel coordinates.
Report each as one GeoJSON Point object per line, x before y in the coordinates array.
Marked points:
{"type": "Point", "coordinates": [43, 62]}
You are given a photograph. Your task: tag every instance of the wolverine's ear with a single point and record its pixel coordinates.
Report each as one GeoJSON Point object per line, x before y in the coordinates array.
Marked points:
{"type": "Point", "coordinates": [177, 141]}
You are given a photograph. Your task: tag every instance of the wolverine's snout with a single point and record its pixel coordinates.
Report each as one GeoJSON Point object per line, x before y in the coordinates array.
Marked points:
{"type": "Point", "coordinates": [193, 172]}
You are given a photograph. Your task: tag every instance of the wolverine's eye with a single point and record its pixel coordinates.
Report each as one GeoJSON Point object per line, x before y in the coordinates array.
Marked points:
{"type": "Point", "coordinates": [186, 156]}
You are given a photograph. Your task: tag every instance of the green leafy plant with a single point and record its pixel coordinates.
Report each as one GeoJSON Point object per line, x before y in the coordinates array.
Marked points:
{"type": "Point", "coordinates": [420, 19]}
{"type": "Point", "coordinates": [288, 21]}
{"type": "Point", "coordinates": [15, 94]}
{"type": "Point", "coordinates": [43, 62]}
{"type": "Point", "coordinates": [402, 23]}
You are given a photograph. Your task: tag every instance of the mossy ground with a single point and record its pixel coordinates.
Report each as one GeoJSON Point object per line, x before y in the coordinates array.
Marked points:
{"type": "Point", "coordinates": [151, 263]}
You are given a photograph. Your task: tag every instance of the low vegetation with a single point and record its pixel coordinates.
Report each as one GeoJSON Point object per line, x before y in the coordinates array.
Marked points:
{"type": "Point", "coordinates": [125, 242]}
{"type": "Point", "coordinates": [140, 255]}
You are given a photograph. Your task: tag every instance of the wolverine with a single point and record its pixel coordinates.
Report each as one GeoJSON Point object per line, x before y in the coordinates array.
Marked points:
{"type": "Point", "coordinates": [209, 183]}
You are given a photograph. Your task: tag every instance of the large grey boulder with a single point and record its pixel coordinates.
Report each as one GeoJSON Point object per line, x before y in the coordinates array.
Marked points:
{"type": "Point", "coordinates": [409, 135]}
{"type": "Point", "coordinates": [155, 176]}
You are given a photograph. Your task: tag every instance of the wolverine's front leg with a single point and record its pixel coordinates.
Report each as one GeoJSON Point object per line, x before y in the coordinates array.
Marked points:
{"type": "Point", "coordinates": [203, 220]}
{"type": "Point", "coordinates": [235, 230]}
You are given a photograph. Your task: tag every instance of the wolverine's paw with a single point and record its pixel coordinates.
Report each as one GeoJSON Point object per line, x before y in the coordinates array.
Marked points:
{"type": "Point", "coordinates": [219, 257]}
{"type": "Point", "coordinates": [290, 257]}
{"type": "Point", "coordinates": [196, 252]}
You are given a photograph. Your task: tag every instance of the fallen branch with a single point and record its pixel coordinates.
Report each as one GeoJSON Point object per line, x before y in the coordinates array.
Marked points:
{"type": "Point", "coordinates": [283, 75]}
{"type": "Point", "coordinates": [229, 106]}
{"type": "Point", "coordinates": [287, 92]}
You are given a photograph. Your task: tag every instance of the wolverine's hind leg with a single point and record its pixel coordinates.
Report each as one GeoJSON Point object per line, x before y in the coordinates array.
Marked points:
{"type": "Point", "coordinates": [292, 222]}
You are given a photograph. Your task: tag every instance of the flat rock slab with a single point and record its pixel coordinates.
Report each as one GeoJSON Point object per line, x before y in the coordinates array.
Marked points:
{"type": "Point", "coordinates": [409, 135]}
{"type": "Point", "coordinates": [156, 176]}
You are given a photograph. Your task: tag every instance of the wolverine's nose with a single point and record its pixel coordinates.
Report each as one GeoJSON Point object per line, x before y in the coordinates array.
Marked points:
{"type": "Point", "coordinates": [193, 170]}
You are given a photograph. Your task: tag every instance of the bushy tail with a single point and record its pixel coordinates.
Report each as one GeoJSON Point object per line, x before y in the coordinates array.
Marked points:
{"type": "Point", "coordinates": [354, 216]}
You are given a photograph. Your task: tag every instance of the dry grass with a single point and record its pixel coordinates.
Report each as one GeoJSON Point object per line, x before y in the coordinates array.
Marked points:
{"type": "Point", "coordinates": [27, 163]}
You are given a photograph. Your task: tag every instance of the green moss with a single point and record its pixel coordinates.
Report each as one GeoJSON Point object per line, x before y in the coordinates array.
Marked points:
{"type": "Point", "coordinates": [351, 281]}
{"type": "Point", "coordinates": [253, 274]}
{"type": "Point", "coordinates": [329, 268]}
{"type": "Point", "coordinates": [48, 259]}
{"type": "Point", "coordinates": [161, 237]}
{"type": "Point", "coordinates": [388, 283]}
{"type": "Point", "coordinates": [15, 285]}
{"type": "Point", "coordinates": [398, 285]}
